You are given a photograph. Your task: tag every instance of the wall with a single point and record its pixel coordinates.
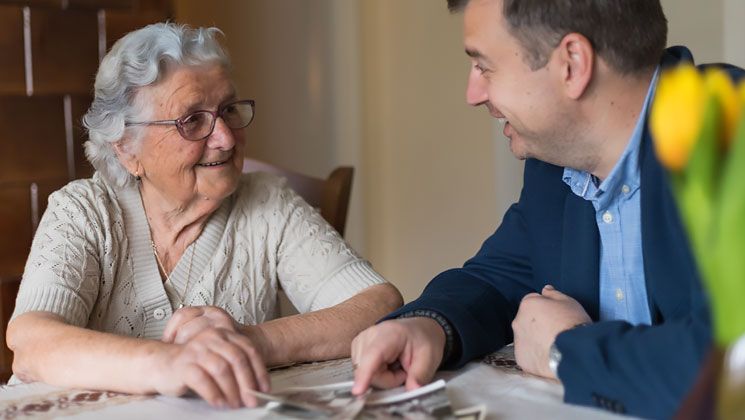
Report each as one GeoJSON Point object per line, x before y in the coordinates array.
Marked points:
{"type": "Point", "coordinates": [712, 29]}
{"type": "Point", "coordinates": [733, 32]}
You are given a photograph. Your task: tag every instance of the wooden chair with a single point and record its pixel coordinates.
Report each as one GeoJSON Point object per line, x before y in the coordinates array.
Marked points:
{"type": "Point", "coordinates": [330, 195]}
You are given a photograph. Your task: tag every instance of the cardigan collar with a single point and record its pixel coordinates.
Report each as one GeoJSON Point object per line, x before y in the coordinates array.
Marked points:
{"type": "Point", "coordinates": [159, 300]}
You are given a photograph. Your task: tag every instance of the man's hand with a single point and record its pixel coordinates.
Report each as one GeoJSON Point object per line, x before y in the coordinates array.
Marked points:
{"type": "Point", "coordinates": [539, 320]}
{"type": "Point", "coordinates": [396, 351]}
{"type": "Point", "coordinates": [189, 321]}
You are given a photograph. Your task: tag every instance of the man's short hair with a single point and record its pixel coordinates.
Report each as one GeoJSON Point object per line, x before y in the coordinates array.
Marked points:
{"type": "Point", "coordinates": [630, 35]}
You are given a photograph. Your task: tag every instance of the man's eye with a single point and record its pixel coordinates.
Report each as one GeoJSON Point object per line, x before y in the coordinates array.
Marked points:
{"type": "Point", "coordinates": [479, 68]}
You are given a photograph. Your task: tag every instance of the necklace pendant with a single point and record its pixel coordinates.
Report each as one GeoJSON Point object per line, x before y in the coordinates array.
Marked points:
{"type": "Point", "coordinates": [181, 305]}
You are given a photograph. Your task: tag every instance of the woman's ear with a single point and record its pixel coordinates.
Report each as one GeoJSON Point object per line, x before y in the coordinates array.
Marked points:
{"type": "Point", "coordinates": [130, 162]}
{"type": "Point", "coordinates": [576, 58]}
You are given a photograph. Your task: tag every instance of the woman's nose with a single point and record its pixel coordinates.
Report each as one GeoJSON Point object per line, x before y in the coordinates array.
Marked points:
{"type": "Point", "coordinates": [222, 136]}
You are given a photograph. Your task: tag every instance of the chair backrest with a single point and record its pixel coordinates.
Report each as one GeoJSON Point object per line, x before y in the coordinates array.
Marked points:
{"type": "Point", "coordinates": [330, 195]}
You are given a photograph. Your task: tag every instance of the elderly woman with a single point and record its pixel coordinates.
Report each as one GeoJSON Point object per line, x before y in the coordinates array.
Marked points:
{"type": "Point", "coordinates": [160, 273]}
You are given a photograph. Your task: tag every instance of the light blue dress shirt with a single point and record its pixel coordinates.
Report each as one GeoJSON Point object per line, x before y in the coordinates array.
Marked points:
{"type": "Point", "coordinates": [623, 289]}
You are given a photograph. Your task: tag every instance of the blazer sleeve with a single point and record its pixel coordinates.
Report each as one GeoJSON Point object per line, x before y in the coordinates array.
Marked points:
{"type": "Point", "coordinates": [641, 370]}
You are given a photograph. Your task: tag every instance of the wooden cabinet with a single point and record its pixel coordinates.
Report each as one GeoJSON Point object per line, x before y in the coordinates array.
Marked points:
{"type": "Point", "coordinates": [64, 50]}
{"type": "Point", "coordinates": [49, 54]}
{"type": "Point", "coordinates": [12, 70]}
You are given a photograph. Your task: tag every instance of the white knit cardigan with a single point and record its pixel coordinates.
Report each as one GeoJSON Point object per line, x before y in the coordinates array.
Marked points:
{"type": "Point", "coordinates": [91, 261]}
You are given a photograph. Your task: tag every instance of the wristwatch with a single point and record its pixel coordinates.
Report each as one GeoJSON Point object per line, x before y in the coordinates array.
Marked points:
{"type": "Point", "coordinates": [554, 355]}
{"type": "Point", "coordinates": [554, 358]}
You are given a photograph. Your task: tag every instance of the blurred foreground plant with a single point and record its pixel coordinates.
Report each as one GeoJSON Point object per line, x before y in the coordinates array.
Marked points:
{"type": "Point", "coordinates": [698, 125]}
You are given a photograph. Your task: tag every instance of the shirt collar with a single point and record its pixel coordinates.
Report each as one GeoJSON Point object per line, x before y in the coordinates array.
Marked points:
{"type": "Point", "coordinates": [626, 171]}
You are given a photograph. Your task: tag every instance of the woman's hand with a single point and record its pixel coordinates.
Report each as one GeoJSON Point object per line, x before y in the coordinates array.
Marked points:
{"type": "Point", "coordinates": [189, 321]}
{"type": "Point", "coordinates": [220, 365]}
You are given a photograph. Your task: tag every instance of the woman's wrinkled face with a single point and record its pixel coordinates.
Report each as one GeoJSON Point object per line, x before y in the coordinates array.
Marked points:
{"type": "Point", "coordinates": [183, 171]}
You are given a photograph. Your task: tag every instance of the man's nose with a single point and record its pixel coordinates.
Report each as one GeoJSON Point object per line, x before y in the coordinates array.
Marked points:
{"type": "Point", "coordinates": [476, 92]}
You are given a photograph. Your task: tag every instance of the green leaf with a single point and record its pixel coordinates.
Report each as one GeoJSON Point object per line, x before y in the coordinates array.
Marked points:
{"type": "Point", "coordinates": [697, 187]}
{"type": "Point", "coordinates": [729, 284]}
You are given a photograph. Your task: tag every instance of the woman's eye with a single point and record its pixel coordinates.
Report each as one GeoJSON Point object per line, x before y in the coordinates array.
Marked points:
{"type": "Point", "coordinates": [193, 119]}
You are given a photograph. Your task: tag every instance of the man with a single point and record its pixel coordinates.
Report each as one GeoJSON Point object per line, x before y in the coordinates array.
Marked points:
{"type": "Point", "coordinates": [589, 273]}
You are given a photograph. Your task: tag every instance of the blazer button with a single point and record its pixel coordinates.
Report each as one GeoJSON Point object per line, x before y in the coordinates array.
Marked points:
{"type": "Point", "coordinates": [159, 314]}
{"type": "Point", "coordinates": [618, 407]}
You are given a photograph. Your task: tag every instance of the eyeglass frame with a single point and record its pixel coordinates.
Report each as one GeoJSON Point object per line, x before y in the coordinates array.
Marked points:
{"type": "Point", "coordinates": [215, 115]}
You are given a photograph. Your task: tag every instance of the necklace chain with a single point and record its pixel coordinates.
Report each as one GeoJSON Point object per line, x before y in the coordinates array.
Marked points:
{"type": "Point", "coordinates": [168, 276]}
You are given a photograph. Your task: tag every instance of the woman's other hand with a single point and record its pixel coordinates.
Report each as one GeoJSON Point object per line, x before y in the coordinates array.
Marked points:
{"type": "Point", "coordinates": [220, 365]}
{"type": "Point", "coordinates": [189, 321]}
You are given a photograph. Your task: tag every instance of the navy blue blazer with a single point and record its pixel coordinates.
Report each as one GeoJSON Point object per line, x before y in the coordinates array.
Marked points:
{"type": "Point", "coordinates": [550, 236]}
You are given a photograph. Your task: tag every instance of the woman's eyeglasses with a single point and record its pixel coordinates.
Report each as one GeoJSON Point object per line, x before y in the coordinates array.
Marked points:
{"type": "Point", "coordinates": [199, 125]}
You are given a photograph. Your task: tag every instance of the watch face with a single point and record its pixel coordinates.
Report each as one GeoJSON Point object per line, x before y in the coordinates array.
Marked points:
{"type": "Point", "coordinates": [554, 353]}
{"type": "Point", "coordinates": [554, 358]}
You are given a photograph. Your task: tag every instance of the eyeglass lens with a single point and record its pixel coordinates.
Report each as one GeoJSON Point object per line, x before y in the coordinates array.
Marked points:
{"type": "Point", "coordinates": [200, 124]}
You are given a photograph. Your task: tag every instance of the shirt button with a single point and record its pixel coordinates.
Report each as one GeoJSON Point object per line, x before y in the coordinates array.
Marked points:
{"type": "Point", "coordinates": [607, 217]}
{"type": "Point", "coordinates": [625, 189]}
{"type": "Point", "coordinates": [159, 314]}
{"type": "Point", "coordinates": [619, 295]}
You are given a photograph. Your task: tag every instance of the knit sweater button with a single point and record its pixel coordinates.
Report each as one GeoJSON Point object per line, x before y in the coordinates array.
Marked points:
{"type": "Point", "coordinates": [159, 314]}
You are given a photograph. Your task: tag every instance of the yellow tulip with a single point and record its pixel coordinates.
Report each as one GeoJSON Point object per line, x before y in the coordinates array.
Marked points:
{"type": "Point", "coordinates": [719, 84]}
{"type": "Point", "coordinates": [677, 114]}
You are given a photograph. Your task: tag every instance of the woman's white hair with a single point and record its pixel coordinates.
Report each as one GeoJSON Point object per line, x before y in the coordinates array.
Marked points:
{"type": "Point", "coordinates": [140, 58]}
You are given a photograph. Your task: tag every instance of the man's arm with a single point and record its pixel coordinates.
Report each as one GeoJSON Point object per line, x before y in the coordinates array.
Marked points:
{"type": "Point", "coordinates": [481, 299]}
{"type": "Point", "coordinates": [478, 301]}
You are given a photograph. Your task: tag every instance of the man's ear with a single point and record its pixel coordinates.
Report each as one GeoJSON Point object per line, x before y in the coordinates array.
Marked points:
{"type": "Point", "coordinates": [129, 160]}
{"type": "Point", "coordinates": [576, 58]}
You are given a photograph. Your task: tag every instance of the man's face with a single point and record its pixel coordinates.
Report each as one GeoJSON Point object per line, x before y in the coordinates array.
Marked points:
{"type": "Point", "coordinates": [530, 102]}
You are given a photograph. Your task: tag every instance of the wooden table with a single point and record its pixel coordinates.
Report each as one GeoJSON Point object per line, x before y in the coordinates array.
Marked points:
{"type": "Point", "coordinates": [495, 382]}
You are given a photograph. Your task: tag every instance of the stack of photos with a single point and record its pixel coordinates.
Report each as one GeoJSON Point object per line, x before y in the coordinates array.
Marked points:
{"type": "Point", "coordinates": [335, 401]}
